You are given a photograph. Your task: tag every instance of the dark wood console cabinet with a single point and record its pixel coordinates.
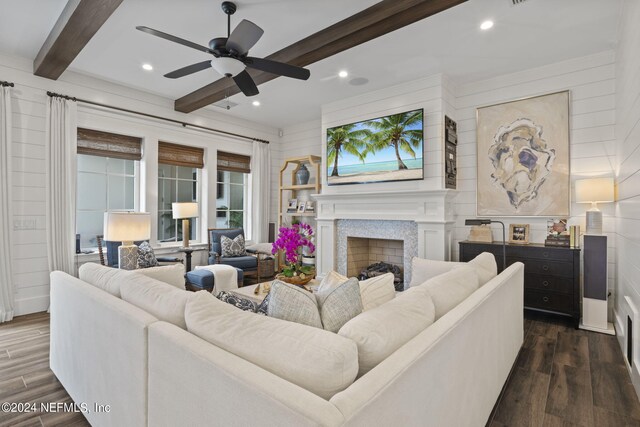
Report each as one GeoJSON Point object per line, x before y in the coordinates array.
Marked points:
{"type": "Point", "coordinates": [551, 274]}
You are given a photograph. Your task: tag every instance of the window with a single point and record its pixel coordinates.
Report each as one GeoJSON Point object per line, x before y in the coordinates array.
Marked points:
{"type": "Point", "coordinates": [178, 181]}
{"type": "Point", "coordinates": [108, 166]}
{"type": "Point", "coordinates": [232, 190]}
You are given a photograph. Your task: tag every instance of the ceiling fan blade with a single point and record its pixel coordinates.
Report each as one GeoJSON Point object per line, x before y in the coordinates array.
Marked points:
{"type": "Point", "coordinates": [279, 68]}
{"type": "Point", "coordinates": [246, 83]}
{"type": "Point", "coordinates": [244, 37]}
{"type": "Point", "coordinates": [174, 39]}
{"type": "Point", "coordinates": [189, 69]}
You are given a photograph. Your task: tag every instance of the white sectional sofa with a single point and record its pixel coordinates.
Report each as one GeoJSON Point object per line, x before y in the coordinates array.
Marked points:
{"type": "Point", "coordinates": [152, 371]}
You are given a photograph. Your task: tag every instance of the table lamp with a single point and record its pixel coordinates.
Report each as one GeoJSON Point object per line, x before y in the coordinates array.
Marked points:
{"type": "Point", "coordinates": [185, 211]}
{"type": "Point", "coordinates": [127, 227]}
{"type": "Point", "coordinates": [594, 191]}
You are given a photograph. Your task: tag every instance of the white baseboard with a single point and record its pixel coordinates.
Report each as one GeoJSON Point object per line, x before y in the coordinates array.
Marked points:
{"type": "Point", "coordinates": [31, 305]}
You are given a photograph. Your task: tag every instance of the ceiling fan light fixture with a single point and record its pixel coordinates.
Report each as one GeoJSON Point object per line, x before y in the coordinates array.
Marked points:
{"type": "Point", "coordinates": [227, 66]}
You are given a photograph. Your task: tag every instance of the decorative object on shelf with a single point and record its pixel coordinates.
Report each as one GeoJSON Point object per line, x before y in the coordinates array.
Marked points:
{"type": "Point", "coordinates": [479, 221]}
{"type": "Point", "coordinates": [519, 234]}
{"type": "Point", "coordinates": [292, 241]}
{"type": "Point", "coordinates": [525, 167]}
{"type": "Point", "coordinates": [185, 211]}
{"type": "Point", "coordinates": [127, 227]}
{"type": "Point", "coordinates": [557, 233]}
{"type": "Point", "coordinates": [292, 207]}
{"type": "Point", "coordinates": [301, 207]}
{"type": "Point", "coordinates": [310, 206]}
{"type": "Point", "coordinates": [480, 233]}
{"type": "Point", "coordinates": [594, 191]}
{"type": "Point", "coordinates": [302, 175]}
{"type": "Point", "coordinates": [359, 153]}
{"type": "Point", "coordinates": [574, 236]}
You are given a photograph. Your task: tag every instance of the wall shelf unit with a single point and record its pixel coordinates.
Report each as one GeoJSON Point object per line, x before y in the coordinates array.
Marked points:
{"type": "Point", "coordinates": [288, 189]}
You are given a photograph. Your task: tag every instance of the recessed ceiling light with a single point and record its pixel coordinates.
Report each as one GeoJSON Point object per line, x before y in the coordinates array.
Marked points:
{"type": "Point", "coordinates": [486, 25]}
{"type": "Point", "coordinates": [147, 67]}
{"type": "Point", "coordinates": [343, 74]}
{"type": "Point", "coordinates": [256, 103]}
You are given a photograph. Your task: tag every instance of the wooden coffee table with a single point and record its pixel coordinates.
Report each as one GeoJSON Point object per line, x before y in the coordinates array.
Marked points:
{"type": "Point", "coordinates": [249, 292]}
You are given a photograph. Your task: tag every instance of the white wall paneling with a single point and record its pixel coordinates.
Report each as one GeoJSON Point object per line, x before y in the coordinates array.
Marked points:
{"type": "Point", "coordinates": [627, 292]}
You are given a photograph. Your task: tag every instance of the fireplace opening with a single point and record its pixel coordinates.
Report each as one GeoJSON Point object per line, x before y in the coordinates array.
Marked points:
{"type": "Point", "coordinates": [367, 257]}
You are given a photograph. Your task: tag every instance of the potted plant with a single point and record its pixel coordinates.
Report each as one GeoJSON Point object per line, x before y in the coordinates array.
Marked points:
{"type": "Point", "coordinates": [292, 240]}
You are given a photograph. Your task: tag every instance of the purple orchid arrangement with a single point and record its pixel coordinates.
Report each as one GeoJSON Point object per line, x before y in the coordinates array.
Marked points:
{"type": "Point", "coordinates": [292, 240]}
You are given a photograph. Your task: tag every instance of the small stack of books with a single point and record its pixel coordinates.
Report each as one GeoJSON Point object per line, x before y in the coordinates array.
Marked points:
{"type": "Point", "coordinates": [561, 240]}
{"type": "Point", "coordinates": [557, 233]}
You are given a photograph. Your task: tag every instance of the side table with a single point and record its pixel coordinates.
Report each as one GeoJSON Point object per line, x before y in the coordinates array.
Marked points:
{"type": "Point", "coordinates": [187, 255]}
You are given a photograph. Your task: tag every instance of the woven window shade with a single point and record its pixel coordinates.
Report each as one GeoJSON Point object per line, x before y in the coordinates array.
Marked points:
{"type": "Point", "coordinates": [233, 162]}
{"type": "Point", "coordinates": [105, 144]}
{"type": "Point", "coordinates": [180, 155]}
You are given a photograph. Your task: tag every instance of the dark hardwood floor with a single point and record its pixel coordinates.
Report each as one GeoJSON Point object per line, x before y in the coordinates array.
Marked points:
{"type": "Point", "coordinates": [562, 377]}
{"type": "Point", "coordinates": [567, 377]}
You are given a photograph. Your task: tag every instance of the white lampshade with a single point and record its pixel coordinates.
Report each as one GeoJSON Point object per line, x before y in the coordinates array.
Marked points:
{"type": "Point", "coordinates": [594, 190]}
{"type": "Point", "coordinates": [127, 226]}
{"type": "Point", "coordinates": [184, 210]}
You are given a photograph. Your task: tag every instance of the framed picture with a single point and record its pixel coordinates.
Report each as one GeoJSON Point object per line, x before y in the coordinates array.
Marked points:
{"type": "Point", "coordinates": [383, 149]}
{"type": "Point", "coordinates": [523, 157]}
{"type": "Point", "coordinates": [301, 207]}
{"type": "Point", "coordinates": [519, 233]}
{"type": "Point", "coordinates": [309, 207]}
{"type": "Point", "coordinates": [292, 207]}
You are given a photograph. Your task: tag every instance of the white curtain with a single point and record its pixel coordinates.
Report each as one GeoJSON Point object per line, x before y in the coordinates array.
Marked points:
{"type": "Point", "coordinates": [261, 189]}
{"type": "Point", "coordinates": [7, 296]}
{"type": "Point", "coordinates": [61, 184]}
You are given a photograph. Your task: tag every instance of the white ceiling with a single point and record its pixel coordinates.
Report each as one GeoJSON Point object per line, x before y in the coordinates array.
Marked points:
{"type": "Point", "coordinates": [534, 33]}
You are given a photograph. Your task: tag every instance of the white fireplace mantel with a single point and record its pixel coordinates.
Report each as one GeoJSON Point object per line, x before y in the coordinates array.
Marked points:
{"type": "Point", "coordinates": [432, 210]}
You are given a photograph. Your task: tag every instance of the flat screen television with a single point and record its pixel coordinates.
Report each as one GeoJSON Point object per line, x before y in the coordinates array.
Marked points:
{"type": "Point", "coordinates": [384, 149]}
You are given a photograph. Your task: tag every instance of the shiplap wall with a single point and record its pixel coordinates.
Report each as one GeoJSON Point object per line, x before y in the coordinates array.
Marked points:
{"type": "Point", "coordinates": [29, 254]}
{"type": "Point", "coordinates": [591, 80]}
{"type": "Point", "coordinates": [627, 301]}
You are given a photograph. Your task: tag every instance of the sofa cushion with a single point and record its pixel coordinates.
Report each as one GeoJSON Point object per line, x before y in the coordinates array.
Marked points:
{"type": "Point", "coordinates": [155, 297]}
{"type": "Point", "coordinates": [377, 291]}
{"type": "Point", "coordinates": [242, 262]}
{"type": "Point", "coordinates": [382, 330]}
{"type": "Point", "coordinates": [486, 267]}
{"type": "Point", "coordinates": [450, 289]}
{"type": "Point", "coordinates": [317, 360]}
{"type": "Point", "coordinates": [172, 274]}
{"type": "Point", "coordinates": [232, 247]}
{"type": "Point", "coordinates": [373, 292]}
{"type": "Point", "coordinates": [106, 278]}
{"type": "Point", "coordinates": [424, 269]}
{"type": "Point", "coordinates": [339, 304]}
{"type": "Point", "coordinates": [293, 303]}
{"type": "Point", "coordinates": [146, 256]}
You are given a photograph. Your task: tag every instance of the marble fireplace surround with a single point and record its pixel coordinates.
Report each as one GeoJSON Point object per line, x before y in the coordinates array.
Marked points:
{"type": "Point", "coordinates": [422, 218]}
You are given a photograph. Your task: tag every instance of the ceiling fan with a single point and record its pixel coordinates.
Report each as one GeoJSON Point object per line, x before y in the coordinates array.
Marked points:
{"type": "Point", "coordinates": [231, 54]}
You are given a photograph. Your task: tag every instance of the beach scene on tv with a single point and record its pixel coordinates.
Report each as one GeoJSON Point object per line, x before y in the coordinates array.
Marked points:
{"type": "Point", "coordinates": [384, 149]}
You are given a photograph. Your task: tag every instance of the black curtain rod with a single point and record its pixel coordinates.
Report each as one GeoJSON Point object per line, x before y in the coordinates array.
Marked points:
{"type": "Point", "coordinates": [224, 132]}
{"type": "Point", "coordinates": [6, 84]}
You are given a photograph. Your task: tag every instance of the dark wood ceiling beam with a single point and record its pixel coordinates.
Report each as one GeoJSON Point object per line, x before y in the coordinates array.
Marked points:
{"type": "Point", "coordinates": [375, 21]}
{"type": "Point", "coordinates": [77, 24]}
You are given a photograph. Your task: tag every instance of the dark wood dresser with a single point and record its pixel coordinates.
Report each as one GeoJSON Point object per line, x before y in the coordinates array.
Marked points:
{"type": "Point", "coordinates": [551, 274]}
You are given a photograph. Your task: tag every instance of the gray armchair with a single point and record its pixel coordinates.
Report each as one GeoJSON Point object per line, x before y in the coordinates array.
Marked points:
{"type": "Point", "coordinates": [249, 264]}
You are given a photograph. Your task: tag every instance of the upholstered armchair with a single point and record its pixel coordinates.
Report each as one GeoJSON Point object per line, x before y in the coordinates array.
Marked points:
{"type": "Point", "coordinates": [249, 263]}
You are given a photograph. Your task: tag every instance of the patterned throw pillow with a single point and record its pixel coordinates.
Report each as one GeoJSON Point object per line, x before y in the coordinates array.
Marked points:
{"type": "Point", "coordinates": [339, 304]}
{"type": "Point", "coordinates": [146, 257]}
{"type": "Point", "coordinates": [232, 247]}
{"type": "Point", "coordinates": [293, 303]}
{"type": "Point", "coordinates": [263, 308]}
{"type": "Point", "coordinates": [233, 299]}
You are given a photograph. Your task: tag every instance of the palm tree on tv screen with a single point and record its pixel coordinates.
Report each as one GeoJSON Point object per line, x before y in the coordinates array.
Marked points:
{"type": "Point", "coordinates": [348, 138]}
{"type": "Point", "coordinates": [397, 131]}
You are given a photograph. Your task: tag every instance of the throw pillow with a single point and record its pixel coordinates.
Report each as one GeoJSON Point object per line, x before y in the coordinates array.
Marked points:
{"type": "Point", "coordinates": [450, 289]}
{"type": "Point", "coordinates": [146, 257]}
{"type": "Point", "coordinates": [237, 301]}
{"type": "Point", "coordinates": [425, 269]}
{"type": "Point", "coordinates": [263, 308]}
{"type": "Point", "coordinates": [339, 304]}
{"type": "Point", "coordinates": [331, 280]}
{"type": "Point", "coordinates": [383, 330]}
{"type": "Point", "coordinates": [293, 303]}
{"type": "Point", "coordinates": [232, 247]}
{"type": "Point", "coordinates": [377, 290]}
{"type": "Point", "coordinates": [486, 267]}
